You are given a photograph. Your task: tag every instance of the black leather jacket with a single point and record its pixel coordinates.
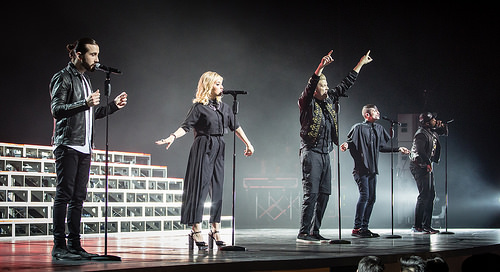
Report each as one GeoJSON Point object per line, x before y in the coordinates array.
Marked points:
{"type": "Point", "coordinates": [311, 114]}
{"type": "Point", "coordinates": [68, 107]}
{"type": "Point", "coordinates": [426, 148]}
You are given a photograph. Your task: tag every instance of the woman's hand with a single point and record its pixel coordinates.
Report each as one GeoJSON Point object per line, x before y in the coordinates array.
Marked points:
{"type": "Point", "coordinates": [168, 141]}
{"type": "Point", "coordinates": [249, 150]}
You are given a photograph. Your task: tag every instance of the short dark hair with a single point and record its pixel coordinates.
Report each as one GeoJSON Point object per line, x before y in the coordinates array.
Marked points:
{"type": "Point", "coordinates": [366, 108]}
{"type": "Point", "coordinates": [412, 263]}
{"type": "Point", "coordinates": [370, 264]}
{"type": "Point", "coordinates": [425, 117]}
{"type": "Point", "coordinates": [79, 46]}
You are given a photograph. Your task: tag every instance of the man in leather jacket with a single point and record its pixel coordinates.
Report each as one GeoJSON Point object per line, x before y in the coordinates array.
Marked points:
{"type": "Point", "coordinates": [318, 134]}
{"type": "Point", "coordinates": [425, 151]}
{"type": "Point", "coordinates": [74, 107]}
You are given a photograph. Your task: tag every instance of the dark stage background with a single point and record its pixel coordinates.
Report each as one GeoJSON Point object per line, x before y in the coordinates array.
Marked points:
{"type": "Point", "coordinates": [436, 57]}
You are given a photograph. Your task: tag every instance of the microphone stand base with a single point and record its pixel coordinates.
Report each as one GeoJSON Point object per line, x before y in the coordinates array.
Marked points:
{"type": "Point", "coordinates": [339, 242]}
{"type": "Point", "coordinates": [393, 236]}
{"type": "Point", "coordinates": [446, 232]}
{"type": "Point", "coordinates": [232, 248]}
{"type": "Point", "coordinates": [106, 258]}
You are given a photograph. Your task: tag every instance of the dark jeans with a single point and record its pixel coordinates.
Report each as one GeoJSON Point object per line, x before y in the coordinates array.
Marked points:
{"type": "Point", "coordinates": [316, 183]}
{"type": "Point", "coordinates": [72, 168]}
{"type": "Point", "coordinates": [367, 185]}
{"type": "Point", "coordinates": [426, 195]}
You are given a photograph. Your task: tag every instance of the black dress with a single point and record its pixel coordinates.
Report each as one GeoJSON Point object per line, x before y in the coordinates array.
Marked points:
{"type": "Point", "coordinates": [205, 168]}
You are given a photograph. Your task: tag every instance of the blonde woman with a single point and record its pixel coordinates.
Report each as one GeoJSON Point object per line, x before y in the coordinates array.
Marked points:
{"type": "Point", "coordinates": [210, 118]}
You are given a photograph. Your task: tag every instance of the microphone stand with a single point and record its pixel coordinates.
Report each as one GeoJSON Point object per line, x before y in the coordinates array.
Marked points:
{"type": "Point", "coordinates": [232, 247]}
{"type": "Point", "coordinates": [337, 109]}
{"type": "Point", "coordinates": [106, 257]}
{"type": "Point", "coordinates": [446, 187]}
{"type": "Point", "coordinates": [392, 236]}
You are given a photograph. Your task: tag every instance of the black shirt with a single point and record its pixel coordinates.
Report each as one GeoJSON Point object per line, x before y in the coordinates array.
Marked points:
{"type": "Point", "coordinates": [365, 141]}
{"type": "Point", "coordinates": [212, 119]}
{"type": "Point", "coordinates": [324, 139]}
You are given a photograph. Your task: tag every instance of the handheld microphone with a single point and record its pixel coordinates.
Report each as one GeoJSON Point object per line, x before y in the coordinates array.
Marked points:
{"type": "Point", "coordinates": [390, 120]}
{"type": "Point", "coordinates": [234, 92]}
{"type": "Point", "coordinates": [107, 69]}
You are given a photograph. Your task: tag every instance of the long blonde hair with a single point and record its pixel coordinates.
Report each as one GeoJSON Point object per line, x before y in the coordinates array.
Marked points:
{"type": "Point", "coordinates": [205, 85]}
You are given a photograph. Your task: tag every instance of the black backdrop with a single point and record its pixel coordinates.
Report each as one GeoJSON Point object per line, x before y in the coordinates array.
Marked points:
{"type": "Point", "coordinates": [435, 57]}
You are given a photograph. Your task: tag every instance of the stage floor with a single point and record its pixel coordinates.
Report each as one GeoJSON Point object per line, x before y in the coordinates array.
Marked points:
{"type": "Point", "coordinates": [266, 250]}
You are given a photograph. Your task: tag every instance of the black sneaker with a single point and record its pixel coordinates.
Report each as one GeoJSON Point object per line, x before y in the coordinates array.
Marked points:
{"type": "Point", "coordinates": [415, 230]}
{"type": "Point", "coordinates": [320, 238]}
{"type": "Point", "coordinates": [430, 230]}
{"type": "Point", "coordinates": [307, 239]}
{"type": "Point", "coordinates": [364, 233]}
{"type": "Point", "coordinates": [373, 234]}
{"type": "Point", "coordinates": [62, 253]}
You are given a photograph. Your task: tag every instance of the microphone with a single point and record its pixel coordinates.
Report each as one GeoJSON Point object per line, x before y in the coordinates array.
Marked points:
{"type": "Point", "coordinates": [390, 120]}
{"type": "Point", "coordinates": [234, 92]}
{"type": "Point", "coordinates": [108, 69]}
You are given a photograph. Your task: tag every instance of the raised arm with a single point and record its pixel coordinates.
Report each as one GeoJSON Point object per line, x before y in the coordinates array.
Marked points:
{"type": "Point", "coordinates": [364, 60]}
{"type": "Point", "coordinates": [324, 62]}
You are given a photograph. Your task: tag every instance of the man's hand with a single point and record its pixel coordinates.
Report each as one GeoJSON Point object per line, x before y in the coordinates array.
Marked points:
{"type": "Point", "coordinates": [93, 99]}
{"type": "Point", "coordinates": [364, 60]}
{"type": "Point", "coordinates": [326, 59]}
{"type": "Point", "coordinates": [121, 100]}
{"type": "Point", "coordinates": [324, 62]}
{"type": "Point", "coordinates": [344, 146]}
{"type": "Point", "coordinates": [404, 150]}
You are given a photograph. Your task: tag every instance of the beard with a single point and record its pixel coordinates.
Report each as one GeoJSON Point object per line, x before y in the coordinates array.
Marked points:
{"type": "Point", "coordinates": [88, 67]}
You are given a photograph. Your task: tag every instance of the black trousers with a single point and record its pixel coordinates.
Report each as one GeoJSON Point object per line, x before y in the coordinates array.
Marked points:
{"type": "Point", "coordinates": [204, 176]}
{"type": "Point", "coordinates": [316, 183]}
{"type": "Point", "coordinates": [426, 195]}
{"type": "Point", "coordinates": [72, 168]}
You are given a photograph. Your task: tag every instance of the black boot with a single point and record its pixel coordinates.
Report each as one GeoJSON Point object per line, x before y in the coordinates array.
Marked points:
{"type": "Point", "coordinates": [75, 247]}
{"type": "Point", "coordinates": [61, 252]}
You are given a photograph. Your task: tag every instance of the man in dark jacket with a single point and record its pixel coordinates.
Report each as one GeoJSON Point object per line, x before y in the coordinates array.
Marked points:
{"type": "Point", "coordinates": [74, 107]}
{"type": "Point", "coordinates": [365, 141]}
{"type": "Point", "coordinates": [425, 151]}
{"type": "Point", "coordinates": [318, 133]}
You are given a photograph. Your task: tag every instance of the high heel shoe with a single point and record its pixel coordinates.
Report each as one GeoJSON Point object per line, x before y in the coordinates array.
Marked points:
{"type": "Point", "coordinates": [201, 245]}
{"type": "Point", "coordinates": [211, 239]}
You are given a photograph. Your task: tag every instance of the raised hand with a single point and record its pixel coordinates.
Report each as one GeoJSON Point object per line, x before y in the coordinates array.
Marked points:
{"type": "Point", "coordinates": [327, 59]}
{"type": "Point", "coordinates": [366, 58]}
